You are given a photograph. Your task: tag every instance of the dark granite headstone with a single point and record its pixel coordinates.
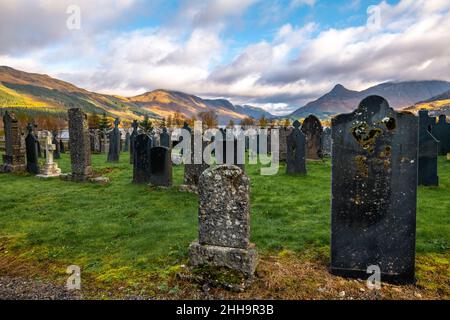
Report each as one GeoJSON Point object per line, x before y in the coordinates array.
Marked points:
{"type": "Point", "coordinates": [57, 151]}
{"type": "Point", "coordinates": [164, 138]}
{"type": "Point", "coordinates": [312, 128]}
{"type": "Point", "coordinates": [31, 143]}
{"type": "Point", "coordinates": [225, 139]}
{"type": "Point", "coordinates": [114, 143]}
{"type": "Point", "coordinates": [428, 151]}
{"type": "Point", "coordinates": [14, 157]}
{"type": "Point", "coordinates": [80, 147]}
{"type": "Point", "coordinates": [126, 145]}
{"type": "Point", "coordinates": [441, 132]}
{"type": "Point", "coordinates": [161, 167]}
{"type": "Point", "coordinates": [296, 149]}
{"type": "Point", "coordinates": [224, 221]}
{"type": "Point", "coordinates": [142, 159]}
{"type": "Point", "coordinates": [133, 136]}
{"type": "Point", "coordinates": [374, 192]}
{"type": "Point", "coordinates": [326, 142]}
{"type": "Point", "coordinates": [62, 148]}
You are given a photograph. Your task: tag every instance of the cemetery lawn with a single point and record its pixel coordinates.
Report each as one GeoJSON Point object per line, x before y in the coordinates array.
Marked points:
{"type": "Point", "coordinates": [132, 240]}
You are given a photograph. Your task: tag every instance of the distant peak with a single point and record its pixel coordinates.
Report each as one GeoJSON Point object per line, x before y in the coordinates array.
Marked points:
{"type": "Point", "coordinates": [339, 88]}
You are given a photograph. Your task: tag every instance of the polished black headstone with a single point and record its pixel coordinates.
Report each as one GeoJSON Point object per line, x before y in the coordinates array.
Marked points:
{"type": "Point", "coordinates": [62, 149]}
{"type": "Point", "coordinates": [374, 192]}
{"type": "Point", "coordinates": [428, 151]}
{"type": "Point", "coordinates": [161, 167]}
{"type": "Point", "coordinates": [31, 143]}
{"type": "Point", "coordinates": [126, 145]}
{"type": "Point", "coordinates": [142, 159]}
{"type": "Point", "coordinates": [296, 149]}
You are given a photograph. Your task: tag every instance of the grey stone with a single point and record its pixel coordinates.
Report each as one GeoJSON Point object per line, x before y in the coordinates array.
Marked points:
{"type": "Point", "coordinates": [31, 143]}
{"type": "Point", "coordinates": [374, 192]}
{"type": "Point", "coordinates": [227, 149]}
{"type": "Point", "coordinates": [50, 169]}
{"type": "Point", "coordinates": [56, 151]}
{"type": "Point", "coordinates": [326, 142]}
{"type": "Point", "coordinates": [80, 149]}
{"type": "Point", "coordinates": [224, 221]}
{"type": "Point", "coordinates": [428, 151]}
{"type": "Point", "coordinates": [165, 138]}
{"type": "Point", "coordinates": [96, 142]}
{"type": "Point", "coordinates": [284, 133]}
{"type": "Point", "coordinates": [441, 132]}
{"type": "Point", "coordinates": [312, 128]}
{"type": "Point", "coordinates": [296, 149]}
{"type": "Point", "coordinates": [192, 171]}
{"type": "Point", "coordinates": [114, 143]}
{"type": "Point", "coordinates": [14, 157]}
{"type": "Point", "coordinates": [161, 167]}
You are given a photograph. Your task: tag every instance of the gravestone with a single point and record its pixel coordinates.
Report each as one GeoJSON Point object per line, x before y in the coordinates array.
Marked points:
{"type": "Point", "coordinates": [50, 169]}
{"type": "Point", "coordinates": [114, 143]}
{"type": "Point", "coordinates": [31, 143]}
{"type": "Point", "coordinates": [80, 148]}
{"type": "Point", "coordinates": [428, 151]}
{"type": "Point", "coordinates": [165, 138]}
{"type": "Point", "coordinates": [224, 221]}
{"type": "Point", "coordinates": [62, 148]}
{"type": "Point", "coordinates": [57, 151]}
{"type": "Point", "coordinates": [126, 145]}
{"type": "Point", "coordinates": [14, 157]}
{"type": "Point", "coordinates": [96, 143]}
{"type": "Point", "coordinates": [283, 147]}
{"type": "Point", "coordinates": [226, 139]}
{"type": "Point", "coordinates": [326, 142]}
{"type": "Point", "coordinates": [161, 167]}
{"type": "Point", "coordinates": [192, 172]}
{"type": "Point", "coordinates": [142, 159]}
{"type": "Point", "coordinates": [441, 132]}
{"type": "Point", "coordinates": [312, 128]}
{"type": "Point", "coordinates": [374, 192]}
{"type": "Point", "coordinates": [133, 136]}
{"type": "Point", "coordinates": [36, 135]}
{"type": "Point", "coordinates": [296, 149]}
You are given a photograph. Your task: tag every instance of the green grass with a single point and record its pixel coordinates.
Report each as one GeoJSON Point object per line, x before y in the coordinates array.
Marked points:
{"type": "Point", "coordinates": [117, 230]}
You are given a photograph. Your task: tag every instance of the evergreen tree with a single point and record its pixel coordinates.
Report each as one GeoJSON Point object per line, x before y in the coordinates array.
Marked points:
{"type": "Point", "coordinates": [104, 123]}
{"type": "Point", "coordinates": [146, 125]}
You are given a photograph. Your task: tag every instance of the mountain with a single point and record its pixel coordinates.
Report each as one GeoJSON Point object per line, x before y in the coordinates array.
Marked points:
{"type": "Point", "coordinates": [39, 92]}
{"type": "Point", "coordinates": [436, 106]}
{"type": "Point", "coordinates": [400, 95]}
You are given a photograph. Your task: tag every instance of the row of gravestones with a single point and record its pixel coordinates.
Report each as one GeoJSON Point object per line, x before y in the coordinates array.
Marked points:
{"type": "Point", "coordinates": [374, 173]}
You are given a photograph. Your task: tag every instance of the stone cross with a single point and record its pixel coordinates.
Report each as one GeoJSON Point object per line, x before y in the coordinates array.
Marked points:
{"type": "Point", "coordinates": [296, 149]}
{"type": "Point", "coordinates": [50, 168]}
{"type": "Point", "coordinates": [374, 192]}
{"type": "Point", "coordinates": [32, 151]}
{"type": "Point", "coordinates": [114, 143]}
{"type": "Point", "coordinates": [224, 221]}
{"type": "Point", "coordinates": [428, 151]}
{"type": "Point", "coordinates": [80, 149]}
{"type": "Point", "coordinates": [14, 157]}
{"type": "Point", "coordinates": [312, 128]}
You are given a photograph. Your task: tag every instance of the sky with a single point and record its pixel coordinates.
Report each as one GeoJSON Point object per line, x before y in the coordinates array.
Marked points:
{"type": "Point", "coordinates": [274, 54]}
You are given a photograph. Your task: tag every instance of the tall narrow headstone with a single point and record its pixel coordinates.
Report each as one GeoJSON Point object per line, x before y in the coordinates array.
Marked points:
{"type": "Point", "coordinates": [428, 151]}
{"type": "Point", "coordinates": [62, 148]}
{"type": "Point", "coordinates": [326, 142]}
{"type": "Point", "coordinates": [374, 191]}
{"type": "Point", "coordinates": [57, 151]}
{"type": "Point", "coordinates": [296, 149]}
{"type": "Point", "coordinates": [312, 128]}
{"type": "Point", "coordinates": [441, 132]}
{"type": "Point", "coordinates": [142, 165]}
{"type": "Point", "coordinates": [283, 147]}
{"type": "Point", "coordinates": [224, 221]}
{"type": "Point", "coordinates": [165, 138]}
{"type": "Point", "coordinates": [114, 143]}
{"type": "Point", "coordinates": [228, 149]}
{"type": "Point", "coordinates": [161, 167]}
{"type": "Point", "coordinates": [80, 148]}
{"type": "Point", "coordinates": [193, 171]}
{"type": "Point", "coordinates": [31, 143]}
{"type": "Point", "coordinates": [126, 145]}
{"type": "Point", "coordinates": [14, 157]}
{"type": "Point", "coordinates": [50, 168]}
{"type": "Point", "coordinates": [133, 136]}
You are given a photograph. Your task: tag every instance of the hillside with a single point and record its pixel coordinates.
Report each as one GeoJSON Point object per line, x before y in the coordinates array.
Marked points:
{"type": "Point", "coordinates": [20, 89]}
{"type": "Point", "coordinates": [436, 106]}
{"type": "Point", "coordinates": [400, 95]}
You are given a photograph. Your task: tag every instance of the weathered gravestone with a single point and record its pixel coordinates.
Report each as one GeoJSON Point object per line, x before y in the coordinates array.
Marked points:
{"type": "Point", "coordinates": [133, 136]}
{"type": "Point", "coordinates": [326, 142]}
{"type": "Point", "coordinates": [428, 151]}
{"type": "Point", "coordinates": [193, 171]}
{"type": "Point", "coordinates": [14, 157]}
{"type": "Point", "coordinates": [126, 145]}
{"type": "Point", "coordinates": [142, 165]}
{"type": "Point", "coordinates": [80, 149]}
{"type": "Point", "coordinates": [31, 143]}
{"type": "Point", "coordinates": [374, 191]}
{"type": "Point", "coordinates": [224, 221]}
{"type": "Point", "coordinates": [283, 144]}
{"type": "Point", "coordinates": [165, 138]}
{"type": "Point", "coordinates": [312, 128]}
{"type": "Point", "coordinates": [50, 168]}
{"type": "Point", "coordinates": [161, 167]}
{"type": "Point", "coordinates": [57, 151]}
{"type": "Point", "coordinates": [62, 148]}
{"type": "Point", "coordinates": [96, 142]}
{"type": "Point", "coordinates": [229, 149]}
{"type": "Point", "coordinates": [441, 132]}
{"type": "Point", "coordinates": [296, 149]}
{"type": "Point", "coordinates": [114, 143]}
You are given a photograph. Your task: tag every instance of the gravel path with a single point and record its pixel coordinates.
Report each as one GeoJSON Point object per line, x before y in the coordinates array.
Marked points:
{"type": "Point", "coordinates": [14, 288]}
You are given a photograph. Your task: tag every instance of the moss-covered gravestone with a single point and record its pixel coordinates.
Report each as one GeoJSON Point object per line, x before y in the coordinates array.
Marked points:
{"type": "Point", "coordinates": [224, 221]}
{"type": "Point", "coordinates": [428, 151]}
{"type": "Point", "coordinates": [312, 128]}
{"type": "Point", "coordinates": [374, 191]}
{"type": "Point", "coordinates": [14, 157]}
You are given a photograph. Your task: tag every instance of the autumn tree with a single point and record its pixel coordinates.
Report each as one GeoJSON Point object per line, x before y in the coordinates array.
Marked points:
{"type": "Point", "coordinates": [94, 121]}
{"type": "Point", "coordinates": [104, 124]}
{"type": "Point", "coordinates": [209, 119]}
{"type": "Point", "coordinates": [248, 122]}
{"type": "Point", "coordinates": [146, 125]}
{"type": "Point", "coordinates": [262, 122]}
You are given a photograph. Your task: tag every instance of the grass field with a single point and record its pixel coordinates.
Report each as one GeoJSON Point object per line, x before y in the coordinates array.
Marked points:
{"type": "Point", "coordinates": [137, 238]}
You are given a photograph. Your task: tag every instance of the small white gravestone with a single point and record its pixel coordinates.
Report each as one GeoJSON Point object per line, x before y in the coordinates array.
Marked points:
{"type": "Point", "coordinates": [50, 169]}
